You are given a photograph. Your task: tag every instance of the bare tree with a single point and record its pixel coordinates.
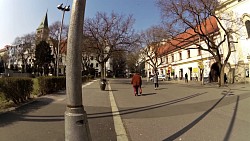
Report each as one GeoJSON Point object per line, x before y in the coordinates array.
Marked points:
{"type": "Point", "coordinates": [119, 63]}
{"type": "Point", "coordinates": [190, 20]}
{"type": "Point", "coordinates": [25, 49]}
{"type": "Point", "coordinates": [132, 61]}
{"type": "Point", "coordinates": [111, 34]}
{"type": "Point", "coordinates": [87, 53]}
{"type": "Point", "coordinates": [153, 39]}
{"type": "Point", "coordinates": [54, 38]}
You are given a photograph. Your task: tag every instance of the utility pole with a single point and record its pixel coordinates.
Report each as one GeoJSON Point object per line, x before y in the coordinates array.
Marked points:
{"type": "Point", "coordinates": [76, 124]}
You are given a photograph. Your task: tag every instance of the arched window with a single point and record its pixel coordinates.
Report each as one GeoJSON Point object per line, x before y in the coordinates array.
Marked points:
{"type": "Point", "coordinates": [247, 23]}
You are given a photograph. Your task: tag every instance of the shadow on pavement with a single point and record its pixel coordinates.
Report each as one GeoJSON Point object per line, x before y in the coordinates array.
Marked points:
{"type": "Point", "coordinates": [144, 108]}
{"type": "Point", "coordinates": [19, 114]}
{"type": "Point", "coordinates": [111, 90]}
{"type": "Point", "coordinates": [192, 124]}
{"type": "Point", "coordinates": [147, 94]}
{"type": "Point", "coordinates": [230, 128]}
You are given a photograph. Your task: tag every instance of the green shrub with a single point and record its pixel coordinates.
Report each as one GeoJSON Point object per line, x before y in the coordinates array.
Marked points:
{"type": "Point", "coordinates": [35, 87]}
{"type": "Point", "coordinates": [52, 84]}
{"type": "Point", "coordinates": [16, 89]}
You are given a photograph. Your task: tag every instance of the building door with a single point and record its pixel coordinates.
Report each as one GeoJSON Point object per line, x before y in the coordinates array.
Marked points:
{"type": "Point", "coordinates": [190, 73]}
{"type": "Point", "coordinates": [181, 74]}
{"type": "Point", "coordinates": [214, 73]}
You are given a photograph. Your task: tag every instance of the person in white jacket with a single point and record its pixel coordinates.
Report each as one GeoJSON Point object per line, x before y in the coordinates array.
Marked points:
{"type": "Point", "coordinates": [155, 80]}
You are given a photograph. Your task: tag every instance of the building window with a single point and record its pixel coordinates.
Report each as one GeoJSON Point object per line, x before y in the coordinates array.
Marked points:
{"type": "Point", "coordinates": [166, 59]}
{"type": "Point", "coordinates": [163, 59]}
{"type": "Point", "coordinates": [91, 65]}
{"type": "Point", "coordinates": [172, 58]}
{"type": "Point", "coordinates": [96, 65]}
{"type": "Point", "coordinates": [188, 53]}
{"type": "Point", "coordinates": [180, 55]}
{"type": "Point", "coordinates": [247, 23]}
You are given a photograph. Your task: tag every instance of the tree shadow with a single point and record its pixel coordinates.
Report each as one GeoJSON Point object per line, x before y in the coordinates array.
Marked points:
{"type": "Point", "coordinates": [19, 113]}
{"type": "Point", "coordinates": [144, 108]}
{"type": "Point", "coordinates": [230, 128]}
{"type": "Point", "coordinates": [192, 124]}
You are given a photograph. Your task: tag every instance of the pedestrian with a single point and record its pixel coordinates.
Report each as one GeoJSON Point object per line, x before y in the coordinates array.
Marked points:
{"type": "Point", "coordinates": [225, 78]}
{"type": "Point", "coordinates": [186, 77]}
{"type": "Point", "coordinates": [137, 82]}
{"type": "Point", "coordinates": [196, 77]}
{"type": "Point", "coordinates": [155, 79]}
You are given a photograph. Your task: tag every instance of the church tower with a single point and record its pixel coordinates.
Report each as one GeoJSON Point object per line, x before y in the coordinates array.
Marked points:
{"type": "Point", "coordinates": [42, 32]}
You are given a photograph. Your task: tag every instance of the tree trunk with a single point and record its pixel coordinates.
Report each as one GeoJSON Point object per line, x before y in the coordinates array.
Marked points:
{"type": "Point", "coordinates": [202, 76]}
{"type": "Point", "coordinates": [102, 70]}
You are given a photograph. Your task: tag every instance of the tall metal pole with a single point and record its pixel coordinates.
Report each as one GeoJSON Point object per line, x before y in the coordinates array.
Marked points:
{"type": "Point", "coordinates": [76, 124]}
{"type": "Point", "coordinates": [60, 36]}
{"type": "Point", "coordinates": [58, 48]}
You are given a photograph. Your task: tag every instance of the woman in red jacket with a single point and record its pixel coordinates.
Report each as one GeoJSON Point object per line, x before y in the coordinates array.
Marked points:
{"type": "Point", "coordinates": [136, 82]}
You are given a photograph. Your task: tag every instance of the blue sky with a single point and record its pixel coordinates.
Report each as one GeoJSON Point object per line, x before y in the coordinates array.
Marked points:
{"type": "Point", "coordinates": [19, 17]}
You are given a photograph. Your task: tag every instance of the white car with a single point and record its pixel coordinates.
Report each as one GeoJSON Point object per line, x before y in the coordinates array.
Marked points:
{"type": "Point", "coordinates": [160, 77]}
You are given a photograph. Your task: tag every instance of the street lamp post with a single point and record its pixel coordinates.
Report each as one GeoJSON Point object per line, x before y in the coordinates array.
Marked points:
{"type": "Point", "coordinates": [65, 8]}
{"type": "Point", "coordinates": [76, 123]}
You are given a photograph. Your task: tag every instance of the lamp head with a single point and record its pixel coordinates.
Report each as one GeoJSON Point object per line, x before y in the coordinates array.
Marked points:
{"type": "Point", "coordinates": [67, 8]}
{"type": "Point", "coordinates": [60, 6]}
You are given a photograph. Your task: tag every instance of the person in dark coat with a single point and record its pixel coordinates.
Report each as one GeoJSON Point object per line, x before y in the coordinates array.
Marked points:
{"type": "Point", "coordinates": [136, 82]}
{"type": "Point", "coordinates": [186, 78]}
{"type": "Point", "coordinates": [225, 78]}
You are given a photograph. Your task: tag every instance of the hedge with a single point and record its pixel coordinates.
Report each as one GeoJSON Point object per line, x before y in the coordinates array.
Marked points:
{"type": "Point", "coordinates": [16, 89]}
{"type": "Point", "coordinates": [19, 89]}
{"type": "Point", "coordinates": [53, 84]}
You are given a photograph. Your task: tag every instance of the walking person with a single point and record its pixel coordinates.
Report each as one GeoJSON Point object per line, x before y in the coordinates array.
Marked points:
{"type": "Point", "coordinates": [225, 78]}
{"type": "Point", "coordinates": [186, 78]}
{"type": "Point", "coordinates": [155, 79]}
{"type": "Point", "coordinates": [137, 82]}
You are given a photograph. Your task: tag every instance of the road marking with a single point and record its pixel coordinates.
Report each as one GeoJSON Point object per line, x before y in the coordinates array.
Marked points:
{"type": "Point", "coordinates": [89, 83]}
{"type": "Point", "coordinates": [119, 127]}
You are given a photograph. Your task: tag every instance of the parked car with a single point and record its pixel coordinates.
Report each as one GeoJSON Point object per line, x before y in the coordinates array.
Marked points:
{"type": "Point", "coordinates": [160, 77]}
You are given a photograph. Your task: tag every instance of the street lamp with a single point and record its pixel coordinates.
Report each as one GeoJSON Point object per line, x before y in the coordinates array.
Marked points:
{"type": "Point", "coordinates": [62, 8]}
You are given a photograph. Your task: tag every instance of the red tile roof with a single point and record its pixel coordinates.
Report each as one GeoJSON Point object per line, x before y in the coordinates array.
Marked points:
{"type": "Point", "coordinates": [63, 47]}
{"type": "Point", "coordinates": [181, 40]}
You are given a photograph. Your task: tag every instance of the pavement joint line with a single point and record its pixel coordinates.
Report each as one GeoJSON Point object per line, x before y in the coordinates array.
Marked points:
{"type": "Point", "coordinates": [119, 127]}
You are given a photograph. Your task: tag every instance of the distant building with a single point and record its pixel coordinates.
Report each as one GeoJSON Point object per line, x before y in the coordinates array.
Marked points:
{"type": "Point", "coordinates": [179, 61]}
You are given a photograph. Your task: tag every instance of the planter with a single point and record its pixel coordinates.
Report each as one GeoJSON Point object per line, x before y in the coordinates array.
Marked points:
{"type": "Point", "coordinates": [103, 84]}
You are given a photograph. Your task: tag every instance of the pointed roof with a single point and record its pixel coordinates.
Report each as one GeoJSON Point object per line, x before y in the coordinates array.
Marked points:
{"type": "Point", "coordinates": [44, 23]}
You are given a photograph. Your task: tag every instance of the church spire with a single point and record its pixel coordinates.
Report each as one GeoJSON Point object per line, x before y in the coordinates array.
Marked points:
{"type": "Point", "coordinates": [44, 23]}
{"type": "Point", "coordinates": [42, 32]}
